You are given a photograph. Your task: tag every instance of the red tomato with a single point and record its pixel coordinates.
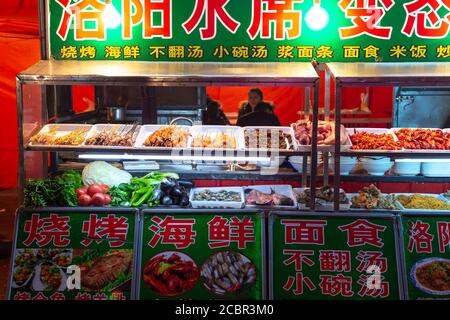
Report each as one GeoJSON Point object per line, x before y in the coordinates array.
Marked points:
{"type": "Point", "coordinates": [93, 189]}
{"type": "Point", "coordinates": [108, 198]}
{"type": "Point", "coordinates": [84, 200]}
{"type": "Point", "coordinates": [105, 188]}
{"type": "Point", "coordinates": [98, 199]}
{"type": "Point", "coordinates": [81, 191]}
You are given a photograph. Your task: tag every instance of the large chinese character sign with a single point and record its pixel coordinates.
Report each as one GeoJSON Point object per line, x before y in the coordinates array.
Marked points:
{"type": "Point", "coordinates": [201, 255]}
{"type": "Point", "coordinates": [251, 30]}
{"type": "Point", "coordinates": [333, 258]}
{"type": "Point", "coordinates": [71, 255]}
{"type": "Point", "coordinates": [427, 256]}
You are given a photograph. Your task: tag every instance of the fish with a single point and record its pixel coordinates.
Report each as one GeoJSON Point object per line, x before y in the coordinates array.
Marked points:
{"type": "Point", "coordinates": [106, 269]}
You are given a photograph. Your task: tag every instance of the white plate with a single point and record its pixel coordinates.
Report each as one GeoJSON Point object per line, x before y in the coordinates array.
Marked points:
{"type": "Point", "coordinates": [121, 128]}
{"type": "Point", "coordinates": [213, 131]}
{"type": "Point", "coordinates": [285, 130]}
{"type": "Point", "coordinates": [62, 129]}
{"type": "Point", "coordinates": [147, 130]}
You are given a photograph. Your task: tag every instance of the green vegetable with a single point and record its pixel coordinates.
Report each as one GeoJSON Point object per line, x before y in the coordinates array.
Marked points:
{"type": "Point", "coordinates": [57, 191]}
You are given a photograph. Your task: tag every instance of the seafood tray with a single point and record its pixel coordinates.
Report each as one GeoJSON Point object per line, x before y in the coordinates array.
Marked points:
{"type": "Point", "coordinates": [214, 131]}
{"type": "Point", "coordinates": [346, 143]}
{"type": "Point", "coordinates": [395, 130]}
{"type": "Point", "coordinates": [147, 130]}
{"type": "Point", "coordinates": [61, 129]}
{"type": "Point", "coordinates": [284, 190]}
{"type": "Point", "coordinates": [437, 196]}
{"type": "Point", "coordinates": [122, 129]}
{"type": "Point", "coordinates": [352, 195]}
{"type": "Point", "coordinates": [320, 203]}
{"type": "Point", "coordinates": [351, 131]}
{"type": "Point", "coordinates": [196, 204]}
{"type": "Point", "coordinates": [285, 130]}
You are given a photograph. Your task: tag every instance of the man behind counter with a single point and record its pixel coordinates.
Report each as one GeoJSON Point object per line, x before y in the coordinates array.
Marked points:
{"type": "Point", "coordinates": [261, 117]}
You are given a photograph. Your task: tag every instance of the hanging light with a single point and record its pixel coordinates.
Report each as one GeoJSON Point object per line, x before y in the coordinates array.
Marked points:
{"type": "Point", "coordinates": [317, 17]}
{"type": "Point", "coordinates": [111, 17]}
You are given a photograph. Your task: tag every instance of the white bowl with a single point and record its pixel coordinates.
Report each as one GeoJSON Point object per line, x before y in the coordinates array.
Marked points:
{"type": "Point", "coordinates": [376, 166]}
{"type": "Point", "coordinates": [346, 164]}
{"type": "Point", "coordinates": [297, 163]}
{"type": "Point", "coordinates": [436, 169]}
{"type": "Point", "coordinates": [272, 163]}
{"type": "Point", "coordinates": [407, 168]}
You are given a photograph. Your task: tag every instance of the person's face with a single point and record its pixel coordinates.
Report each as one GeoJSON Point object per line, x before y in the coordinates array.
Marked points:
{"type": "Point", "coordinates": [253, 99]}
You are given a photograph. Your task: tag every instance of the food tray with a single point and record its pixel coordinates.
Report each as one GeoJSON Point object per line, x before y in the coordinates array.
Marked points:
{"type": "Point", "coordinates": [321, 204]}
{"type": "Point", "coordinates": [63, 129]}
{"type": "Point", "coordinates": [147, 130]}
{"type": "Point", "coordinates": [352, 195]}
{"type": "Point", "coordinates": [285, 190]}
{"type": "Point", "coordinates": [394, 130]}
{"type": "Point", "coordinates": [217, 204]}
{"type": "Point", "coordinates": [237, 132]}
{"type": "Point", "coordinates": [286, 130]}
{"type": "Point", "coordinates": [108, 126]}
{"type": "Point", "coordinates": [322, 148]}
{"type": "Point", "coordinates": [437, 196]}
{"type": "Point", "coordinates": [351, 131]}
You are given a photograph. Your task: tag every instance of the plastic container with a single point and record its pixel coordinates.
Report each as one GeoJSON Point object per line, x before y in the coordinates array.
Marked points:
{"type": "Point", "coordinates": [394, 130]}
{"type": "Point", "coordinates": [285, 190]}
{"type": "Point", "coordinates": [286, 130]}
{"type": "Point", "coordinates": [147, 130]}
{"type": "Point", "coordinates": [63, 129]}
{"type": "Point", "coordinates": [213, 131]}
{"type": "Point", "coordinates": [216, 204]}
{"type": "Point", "coordinates": [324, 148]}
{"type": "Point", "coordinates": [352, 195]}
{"type": "Point", "coordinates": [120, 128]}
{"type": "Point", "coordinates": [376, 166]}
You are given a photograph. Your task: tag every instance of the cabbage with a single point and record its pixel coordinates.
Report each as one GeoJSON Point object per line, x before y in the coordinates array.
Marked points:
{"type": "Point", "coordinates": [101, 172]}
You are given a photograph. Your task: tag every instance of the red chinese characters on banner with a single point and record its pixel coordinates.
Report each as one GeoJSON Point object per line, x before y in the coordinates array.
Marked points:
{"type": "Point", "coordinates": [424, 19]}
{"type": "Point", "coordinates": [299, 281]}
{"type": "Point", "coordinates": [373, 286]}
{"type": "Point", "coordinates": [54, 229]}
{"type": "Point", "coordinates": [212, 10]}
{"type": "Point", "coordinates": [443, 229]}
{"type": "Point", "coordinates": [22, 296]}
{"type": "Point", "coordinates": [336, 285]}
{"type": "Point", "coordinates": [171, 231]}
{"type": "Point", "coordinates": [142, 11]}
{"type": "Point", "coordinates": [362, 232]}
{"type": "Point", "coordinates": [368, 259]}
{"type": "Point", "coordinates": [298, 257]}
{"type": "Point", "coordinates": [277, 14]}
{"type": "Point", "coordinates": [419, 238]}
{"type": "Point", "coordinates": [335, 260]}
{"type": "Point", "coordinates": [366, 16]}
{"type": "Point", "coordinates": [111, 228]}
{"type": "Point", "coordinates": [304, 231]}
{"type": "Point", "coordinates": [223, 231]}
{"type": "Point", "coordinates": [81, 12]}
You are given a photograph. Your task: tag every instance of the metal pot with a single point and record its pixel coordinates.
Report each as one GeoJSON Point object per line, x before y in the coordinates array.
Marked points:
{"type": "Point", "coordinates": [116, 114]}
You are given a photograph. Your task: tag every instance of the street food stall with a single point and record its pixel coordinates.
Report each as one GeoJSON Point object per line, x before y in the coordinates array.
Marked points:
{"type": "Point", "coordinates": [127, 193]}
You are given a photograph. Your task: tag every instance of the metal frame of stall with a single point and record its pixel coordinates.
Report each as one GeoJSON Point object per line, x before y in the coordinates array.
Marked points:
{"type": "Point", "coordinates": [430, 74]}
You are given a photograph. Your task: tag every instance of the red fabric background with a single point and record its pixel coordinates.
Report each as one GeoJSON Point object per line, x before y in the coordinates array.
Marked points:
{"type": "Point", "coordinates": [19, 49]}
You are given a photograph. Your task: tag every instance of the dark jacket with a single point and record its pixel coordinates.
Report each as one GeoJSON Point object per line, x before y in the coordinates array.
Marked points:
{"type": "Point", "coordinates": [246, 109]}
{"type": "Point", "coordinates": [258, 118]}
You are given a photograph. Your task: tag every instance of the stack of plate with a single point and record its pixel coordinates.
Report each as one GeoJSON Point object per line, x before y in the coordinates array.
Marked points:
{"type": "Point", "coordinates": [436, 169]}
{"type": "Point", "coordinates": [406, 167]}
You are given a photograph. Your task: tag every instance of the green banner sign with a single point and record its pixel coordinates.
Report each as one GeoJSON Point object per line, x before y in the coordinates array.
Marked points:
{"type": "Point", "coordinates": [67, 254]}
{"type": "Point", "coordinates": [250, 30]}
{"type": "Point", "coordinates": [325, 257]}
{"type": "Point", "coordinates": [202, 255]}
{"type": "Point", "coordinates": [427, 256]}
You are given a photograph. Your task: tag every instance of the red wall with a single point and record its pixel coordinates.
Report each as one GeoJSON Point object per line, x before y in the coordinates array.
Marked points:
{"type": "Point", "coordinates": [19, 49]}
